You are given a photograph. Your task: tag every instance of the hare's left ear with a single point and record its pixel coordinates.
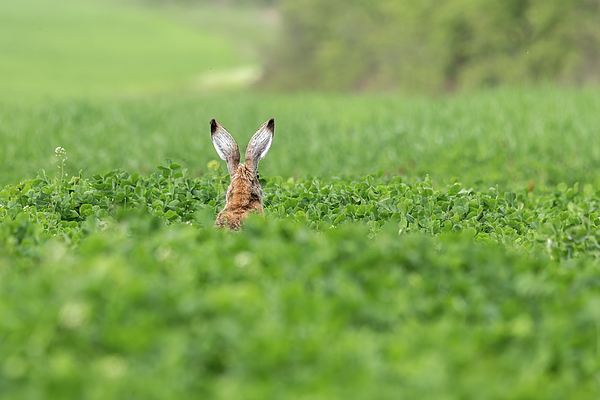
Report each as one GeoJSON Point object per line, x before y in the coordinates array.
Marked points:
{"type": "Point", "coordinates": [225, 146]}
{"type": "Point", "coordinates": [260, 144]}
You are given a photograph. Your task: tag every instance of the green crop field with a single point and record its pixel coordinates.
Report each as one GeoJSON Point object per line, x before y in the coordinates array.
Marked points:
{"type": "Point", "coordinates": [514, 138]}
{"type": "Point", "coordinates": [412, 247]}
{"type": "Point", "coordinates": [479, 279]}
{"type": "Point", "coordinates": [75, 47]}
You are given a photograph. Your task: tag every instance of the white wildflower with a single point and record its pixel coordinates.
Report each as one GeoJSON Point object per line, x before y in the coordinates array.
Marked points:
{"type": "Point", "coordinates": [243, 259]}
{"type": "Point", "coordinates": [74, 314]}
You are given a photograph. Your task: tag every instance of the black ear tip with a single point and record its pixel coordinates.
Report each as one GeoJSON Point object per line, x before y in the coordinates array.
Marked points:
{"type": "Point", "coordinates": [271, 124]}
{"type": "Point", "coordinates": [213, 125]}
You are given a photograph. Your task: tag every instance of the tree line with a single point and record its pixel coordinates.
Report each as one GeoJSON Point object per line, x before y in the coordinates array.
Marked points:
{"type": "Point", "coordinates": [431, 45]}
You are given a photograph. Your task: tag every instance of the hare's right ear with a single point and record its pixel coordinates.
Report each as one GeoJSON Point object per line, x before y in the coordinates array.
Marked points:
{"type": "Point", "coordinates": [225, 146]}
{"type": "Point", "coordinates": [260, 144]}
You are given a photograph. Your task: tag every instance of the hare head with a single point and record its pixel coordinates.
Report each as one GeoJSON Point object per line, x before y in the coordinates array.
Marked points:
{"type": "Point", "coordinates": [244, 194]}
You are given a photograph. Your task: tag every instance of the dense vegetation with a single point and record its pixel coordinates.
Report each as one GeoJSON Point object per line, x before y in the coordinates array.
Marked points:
{"type": "Point", "coordinates": [564, 222]}
{"type": "Point", "coordinates": [142, 311]}
{"type": "Point", "coordinates": [515, 138]}
{"type": "Point", "coordinates": [411, 247]}
{"type": "Point", "coordinates": [435, 46]}
{"type": "Point", "coordinates": [114, 282]}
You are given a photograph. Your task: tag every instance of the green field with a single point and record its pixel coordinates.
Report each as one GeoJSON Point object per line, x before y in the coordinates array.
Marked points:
{"type": "Point", "coordinates": [412, 247]}
{"type": "Point", "coordinates": [514, 138]}
{"type": "Point", "coordinates": [75, 47]}
{"type": "Point", "coordinates": [115, 283]}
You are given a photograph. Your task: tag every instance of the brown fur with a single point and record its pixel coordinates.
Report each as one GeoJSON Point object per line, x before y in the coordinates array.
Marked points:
{"type": "Point", "coordinates": [244, 195]}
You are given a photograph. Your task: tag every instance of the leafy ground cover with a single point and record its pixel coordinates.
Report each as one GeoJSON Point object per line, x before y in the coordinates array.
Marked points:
{"type": "Point", "coordinates": [117, 285]}
{"type": "Point", "coordinates": [564, 222]}
{"type": "Point", "coordinates": [107, 293]}
{"type": "Point", "coordinates": [356, 284]}
{"type": "Point", "coordinates": [511, 137]}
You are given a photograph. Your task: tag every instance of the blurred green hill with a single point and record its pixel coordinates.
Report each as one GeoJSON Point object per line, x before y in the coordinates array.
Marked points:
{"type": "Point", "coordinates": [75, 47]}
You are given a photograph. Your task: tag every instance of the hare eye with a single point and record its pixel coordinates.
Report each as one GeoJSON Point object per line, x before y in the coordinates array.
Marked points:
{"type": "Point", "coordinates": [257, 176]}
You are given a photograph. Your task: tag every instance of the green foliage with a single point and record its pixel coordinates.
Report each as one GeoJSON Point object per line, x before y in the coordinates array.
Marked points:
{"type": "Point", "coordinates": [116, 285]}
{"type": "Point", "coordinates": [514, 138]}
{"type": "Point", "coordinates": [147, 311]}
{"type": "Point", "coordinates": [406, 283]}
{"type": "Point", "coordinates": [565, 222]}
{"type": "Point", "coordinates": [434, 46]}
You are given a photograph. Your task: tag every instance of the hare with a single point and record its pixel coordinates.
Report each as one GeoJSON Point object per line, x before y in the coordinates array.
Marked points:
{"type": "Point", "coordinates": [244, 194]}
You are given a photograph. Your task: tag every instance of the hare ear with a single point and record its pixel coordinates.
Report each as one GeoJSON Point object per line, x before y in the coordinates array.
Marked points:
{"type": "Point", "coordinates": [225, 146]}
{"type": "Point", "coordinates": [259, 144]}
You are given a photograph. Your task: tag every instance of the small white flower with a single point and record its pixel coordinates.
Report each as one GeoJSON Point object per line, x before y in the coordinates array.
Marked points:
{"type": "Point", "coordinates": [72, 315]}
{"type": "Point", "coordinates": [243, 259]}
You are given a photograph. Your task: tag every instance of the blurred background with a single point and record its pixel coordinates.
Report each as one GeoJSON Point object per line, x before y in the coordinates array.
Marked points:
{"type": "Point", "coordinates": [492, 92]}
{"type": "Point", "coordinates": [66, 47]}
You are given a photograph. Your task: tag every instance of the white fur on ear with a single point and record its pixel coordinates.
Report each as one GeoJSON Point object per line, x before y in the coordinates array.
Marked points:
{"type": "Point", "coordinates": [225, 146]}
{"type": "Point", "coordinates": [260, 143]}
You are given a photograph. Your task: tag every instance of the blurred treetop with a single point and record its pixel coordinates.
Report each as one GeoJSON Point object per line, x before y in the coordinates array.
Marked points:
{"type": "Point", "coordinates": [434, 45]}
